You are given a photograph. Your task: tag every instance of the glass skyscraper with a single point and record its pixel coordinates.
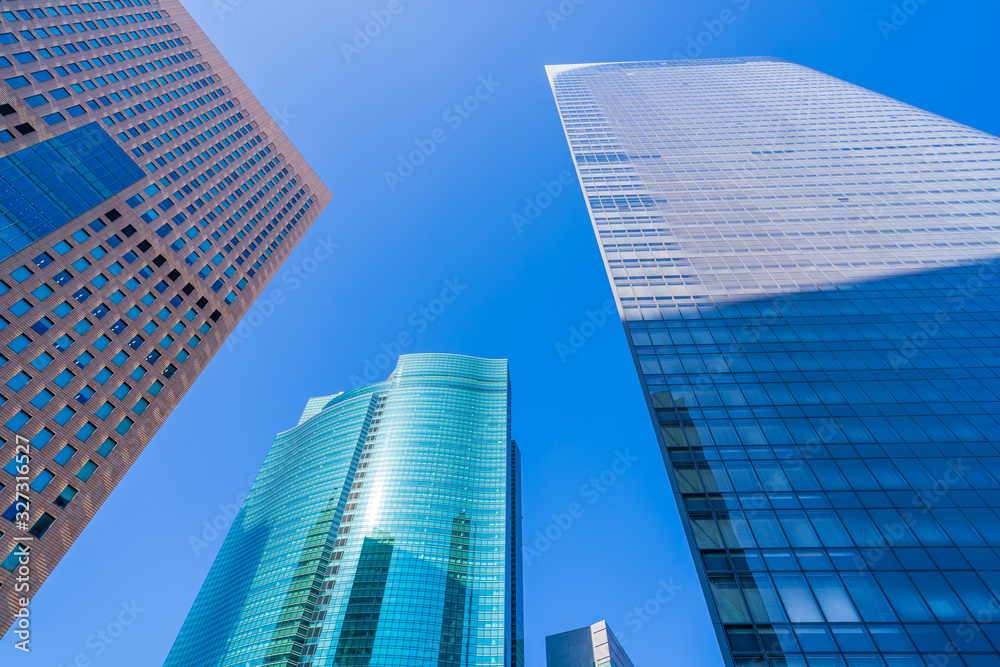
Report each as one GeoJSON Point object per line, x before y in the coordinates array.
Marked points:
{"type": "Point", "coordinates": [592, 646]}
{"type": "Point", "coordinates": [146, 200]}
{"type": "Point", "coordinates": [383, 530]}
{"type": "Point", "coordinates": [807, 275]}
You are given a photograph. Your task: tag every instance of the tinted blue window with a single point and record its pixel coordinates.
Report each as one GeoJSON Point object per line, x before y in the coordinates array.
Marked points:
{"type": "Point", "coordinates": [83, 168]}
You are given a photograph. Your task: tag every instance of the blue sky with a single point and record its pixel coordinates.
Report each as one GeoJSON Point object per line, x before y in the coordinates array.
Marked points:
{"type": "Point", "coordinates": [448, 225]}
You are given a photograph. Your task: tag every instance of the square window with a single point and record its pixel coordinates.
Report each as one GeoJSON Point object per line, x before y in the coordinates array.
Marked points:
{"type": "Point", "coordinates": [19, 506]}
{"type": "Point", "coordinates": [19, 343]}
{"type": "Point", "coordinates": [118, 327]}
{"type": "Point", "coordinates": [42, 361]}
{"type": "Point", "coordinates": [18, 421]}
{"type": "Point", "coordinates": [18, 381]}
{"type": "Point", "coordinates": [63, 309]}
{"type": "Point", "coordinates": [42, 325]}
{"type": "Point", "coordinates": [140, 406]}
{"type": "Point", "coordinates": [41, 480]}
{"type": "Point", "coordinates": [13, 559]}
{"type": "Point", "coordinates": [122, 391]}
{"type": "Point", "coordinates": [64, 377]}
{"type": "Point", "coordinates": [85, 431]}
{"type": "Point", "coordinates": [65, 497]}
{"type": "Point", "coordinates": [134, 312]}
{"type": "Point", "coordinates": [103, 375]}
{"type": "Point", "coordinates": [21, 274]}
{"type": "Point", "coordinates": [86, 471]}
{"type": "Point", "coordinates": [63, 343]}
{"type": "Point", "coordinates": [42, 292]}
{"type": "Point", "coordinates": [105, 410]}
{"type": "Point", "coordinates": [21, 307]}
{"type": "Point", "coordinates": [84, 359]}
{"type": "Point", "coordinates": [182, 356]}
{"type": "Point", "coordinates": [155, 388]}
{"type": "Point", "coordinates": [62, 247]}
{"type": "Point", "coordinates": [124, 426]}
{"type": "Point", "coordinates": [136, 342]}
{"type": "Point", "coordinates": [42, 438]}
{"type": "Point", "coordinates": [102, 342]}
{"type": "Point", "coordinates": [83, 326]}
{"type": "Point", "coordinates": [18, 466]}
{"type": "Point", "coordinates": [101, 311]}
{"type": "Point", "coordinates": [42, 525]}
{"type": "Point", "coordinates": [42, 398]}
{"type": "Point", "coordinates": [120, 358]}
{"type": "Point", "coordinates": [64, 455]}
{"type": "Point", "coordinates": [64, 415]}
{"type": "Point", "coordinates": [106, 447]}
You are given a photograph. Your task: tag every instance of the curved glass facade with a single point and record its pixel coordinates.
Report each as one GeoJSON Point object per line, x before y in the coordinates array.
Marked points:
{"type": "Point", "coordinates": [381, 530]}
{"type": "Point", "coordinates": [807, 273]}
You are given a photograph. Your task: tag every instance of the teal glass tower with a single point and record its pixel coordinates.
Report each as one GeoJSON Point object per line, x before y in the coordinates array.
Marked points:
{"type": "Point", "coordinates": [808, 276]}
{"type": "Point", "coordinates": [382, 530]}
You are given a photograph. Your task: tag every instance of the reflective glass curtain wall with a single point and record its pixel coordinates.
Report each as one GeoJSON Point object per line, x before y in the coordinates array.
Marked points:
{"type": "Point", "coordinates": [381, 530]}
{"type": "Point", "coordinates": [807, 273]}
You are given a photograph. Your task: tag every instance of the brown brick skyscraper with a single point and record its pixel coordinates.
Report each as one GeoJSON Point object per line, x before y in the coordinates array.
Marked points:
{"type": "Point", "coordinates": [146, 199]}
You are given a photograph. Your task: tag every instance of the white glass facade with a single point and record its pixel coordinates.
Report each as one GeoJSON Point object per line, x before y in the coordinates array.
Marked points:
{"type": "Point", "coordinates": [807, 272]}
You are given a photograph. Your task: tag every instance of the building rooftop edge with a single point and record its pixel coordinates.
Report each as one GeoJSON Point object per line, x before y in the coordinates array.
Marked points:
{"type": "Point", "coordinates": [554, 71]}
